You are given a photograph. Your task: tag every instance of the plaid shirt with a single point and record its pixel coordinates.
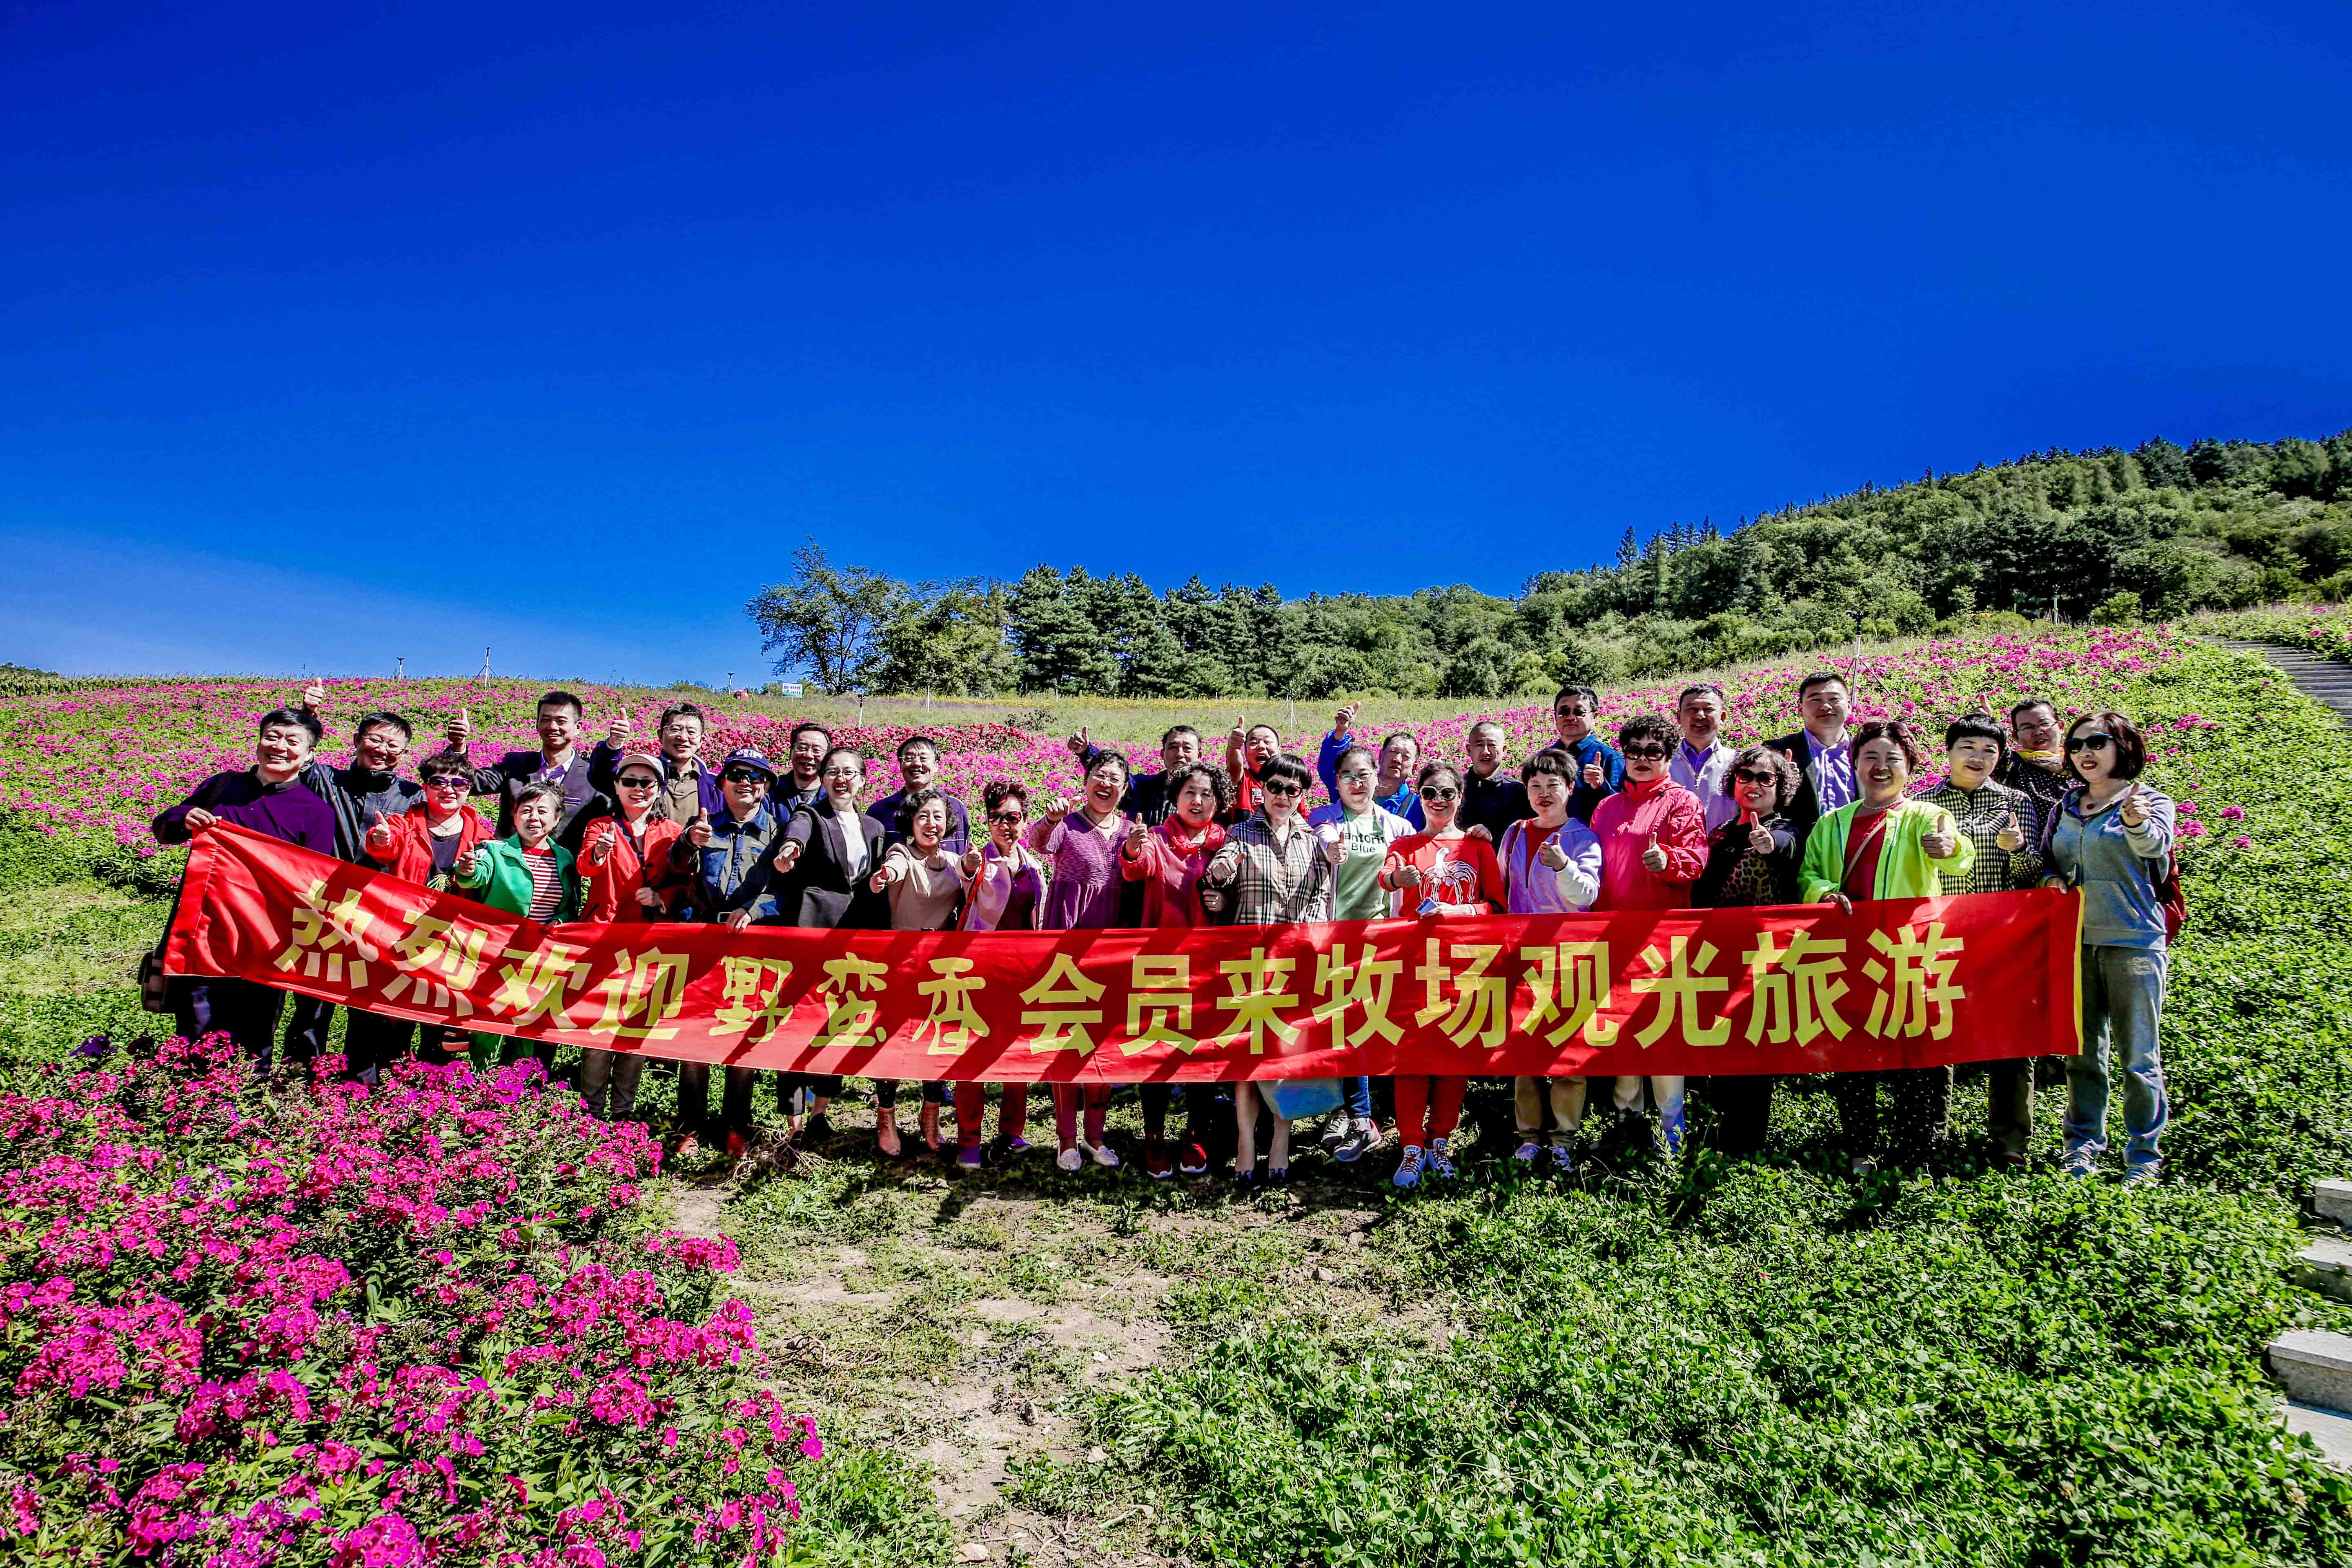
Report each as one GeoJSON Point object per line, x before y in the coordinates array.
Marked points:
{"type": "Point", "coordinates": [1983, 815]}
{"type": "Point", "coordinates": [1272, 885]}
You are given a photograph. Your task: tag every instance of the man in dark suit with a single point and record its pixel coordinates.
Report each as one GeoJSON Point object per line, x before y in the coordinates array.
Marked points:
{"type": "Point", "coordinates": [1821, 749]}
{"type": "Point", "coordinates": [559, 761]}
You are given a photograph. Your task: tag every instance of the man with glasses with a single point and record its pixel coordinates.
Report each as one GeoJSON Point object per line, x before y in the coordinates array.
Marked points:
{"type": "Point", "coordinates": [688, 789]}
{"type": "Point", "coordinates": [1600, 771]}
{"type": "Point", "coordinates": [1702, 762]}
{"type": "Point", "coordinates": [1821, 749]}
{"type": "Point", "coordinates": [2036, 764]}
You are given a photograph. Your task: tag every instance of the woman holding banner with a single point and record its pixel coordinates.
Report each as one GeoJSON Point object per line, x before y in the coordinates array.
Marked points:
{"type": "Point", "coordinates": [1751, 861]}
{"type": "Point", "coordinates": [1006, 887]}
{"type": "Point", "coordinates": [1887, 845]}
{"type": "Point", "coordinates": [1168, 860]}
{"type": "Point", "coordinates": [1082, 838]}
{"type": "Point", "coordinates": [420, 845]}
{"type": "Point", "coordinates": [626, 860]}
{"type": "Point", "coordinates": [2112, 840]}
{"type": "Point", "coordinates": [924, 883]}
{"type": "Point", "coordinates": [1551, 865]}
{"type": "Point", "coordinates": [1441, 873]}
{"type": "Point", "coordinates": [1273, 870]}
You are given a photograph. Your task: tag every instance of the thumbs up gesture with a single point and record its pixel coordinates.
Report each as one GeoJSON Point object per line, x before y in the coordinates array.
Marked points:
{"type": "Point", "coordinates": [2012, 837]}
{"type": "Point", "coordinates": [379, 837]}
{"type": "Point", "coordinates": [619, 730]}
{"type": "Point", "coordinates": [602, 851]}
{"type": "Point", "coordinates": [459, 729]}
{"type": "Point", "coordinates": [1078, 742]}
{"type": "Point", "coordinates": [1759, 837]}
{"type": "Point", "coordinates": [1594, 775]}
{"type": "Point", "coordinates": [698, 833]}
{"type": "Point", "coordinates": [1939, 844]}
{"type": "Point", "coordinates": [1136, 834]}
{"type": "Point", "coordinates": [466, 858]}
{"type": "Point", "coordinates": [972, 861]}
{"type": "Point", "coordinates": [1343, 722]}
{"type": "Point", "coordinates": [1653, 857]}
{"type": "Point", "coordinates": [1553, 857]}
{"type": "Point", "coordinates": [2134, 809]}
{"type": "Point", "coordinates": [314, 694]}
{"type": "Point", "coordinates": [1408, 875]}
{"type": "Point", "coordinates": [879, 882]}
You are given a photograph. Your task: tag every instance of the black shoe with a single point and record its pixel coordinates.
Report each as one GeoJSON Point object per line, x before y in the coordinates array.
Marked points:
{"type": "Point", "coordinates": [817, 1129]}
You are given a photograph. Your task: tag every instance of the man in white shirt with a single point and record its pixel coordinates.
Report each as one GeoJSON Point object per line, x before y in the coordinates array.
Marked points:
{"type": "Point", "coordinates": [1702, 764]}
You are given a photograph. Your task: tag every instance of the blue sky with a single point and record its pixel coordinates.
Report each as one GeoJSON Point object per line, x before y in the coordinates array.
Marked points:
{"type": "Point", "coordinates": [334, 334]}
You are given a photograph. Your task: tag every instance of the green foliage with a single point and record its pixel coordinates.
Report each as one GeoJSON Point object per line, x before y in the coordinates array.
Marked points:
{"type": "Point", "coordinates": [2153, 534]}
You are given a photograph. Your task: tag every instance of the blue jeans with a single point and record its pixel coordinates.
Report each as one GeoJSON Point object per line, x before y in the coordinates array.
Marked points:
{"type": "Point", "coordinates": [2123, 1001]}
{"type": "Point", "coordinates": [1357, 1093]}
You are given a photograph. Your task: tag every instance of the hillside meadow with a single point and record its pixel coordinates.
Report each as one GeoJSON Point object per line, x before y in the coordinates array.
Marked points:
{"type": "Point", "coordinates": [1653, 1362]}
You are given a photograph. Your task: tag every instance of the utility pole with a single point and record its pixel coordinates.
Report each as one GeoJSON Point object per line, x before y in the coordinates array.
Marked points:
{"type": "Point", "coordinates": [485, 664]}
{"type": "Point", "coordinates": [398, 666]}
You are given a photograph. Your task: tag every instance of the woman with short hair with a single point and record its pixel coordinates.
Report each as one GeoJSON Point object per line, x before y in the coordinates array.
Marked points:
{"type": "Point", "coordinates": [1006, 887]}
{"type": "Point", "coordinates": [1885, 845]}
{"type": "Point", "coordinates": [1751, 861]}
{"type": "Point", "coordinates": [1081, 839]}
{"type": "Point", "coordinates": [924, 882]}
{"type": "Point", "coordinates": [2112, 840]}
{"type": "Point", "coordinates": [1168, 860]}
{"type": "Point", "coordinates": [1273, 870]}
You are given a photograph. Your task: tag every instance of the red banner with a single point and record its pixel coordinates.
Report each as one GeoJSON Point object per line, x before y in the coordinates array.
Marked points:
{"type": "Point", "coordinates": [1898, 983]}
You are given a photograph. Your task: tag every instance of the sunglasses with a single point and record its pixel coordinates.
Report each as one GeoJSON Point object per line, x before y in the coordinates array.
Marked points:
{"type": "Point", "coordinates": [1647, 753]}
{"type": "Point", "coordinates": [743, 775]}
{"type": "Point", "coordinates": [1440, 795]}
{"type": "Point", "coordinates": [1011, 819]}
{"type": "Point", "coordinates": [448, 784]}
{"type": "Point", "coordinates": [1285, 790]}
{"type": "Point", "coordinates": [640, 781]}
{"type": "Point", "coordinates": [1571, 712]}
{"type": "Point", "coordinates": [1755, 777]}
{"type": "Point", "coordinates": [2089, 743]}
{"type": "Point", "coordinates": [1358, 778]}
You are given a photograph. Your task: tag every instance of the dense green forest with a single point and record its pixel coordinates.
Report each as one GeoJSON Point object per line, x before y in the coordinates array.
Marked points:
{"type": "Point", "coordinates": [2153, 533]}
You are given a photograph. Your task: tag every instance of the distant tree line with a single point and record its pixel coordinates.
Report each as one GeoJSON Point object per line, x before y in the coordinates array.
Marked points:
{"type": "Point", "coordinates": [2155, 531]}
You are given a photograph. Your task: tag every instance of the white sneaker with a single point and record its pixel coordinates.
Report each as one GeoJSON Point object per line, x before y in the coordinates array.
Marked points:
{"type": "Point", "coordinates": [1069, 1159]}
{"type": "Point", "coordinates": [1106, 1156]}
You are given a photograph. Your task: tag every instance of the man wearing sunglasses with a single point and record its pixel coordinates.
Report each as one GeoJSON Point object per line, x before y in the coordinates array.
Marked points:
{"type": "Point", "coordinates": [1598, 768]}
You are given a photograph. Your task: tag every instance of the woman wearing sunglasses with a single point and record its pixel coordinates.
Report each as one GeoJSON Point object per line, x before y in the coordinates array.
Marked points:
{"type": "Point", "coordinates": [1885, 845]}
{"type": "Point", "coordinates": [1653, 837]}
{"type": "Point", "coordinates": [1442, 873]}
{"type": "Point", "coordinates": [1007, 885]}
{"type": "Point", "coordinates": [1273, 870]}
{"type": "Point", "coordinates": [1751, 861]}
{"type": "Point", "coordinates": [2112, 840]}
{"type": "Point", "coordinates": [421, 844]}
{"type": "Point", "coordinates": [625, 860]}
{"type": "Point", "coordinates": [1081, 837]}
{"type": "Point", "coordinates": [1167, 861]}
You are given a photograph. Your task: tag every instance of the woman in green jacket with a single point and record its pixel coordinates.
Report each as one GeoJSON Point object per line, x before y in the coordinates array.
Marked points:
{"type": "Point", "coordinates": [528, 875]}
{"type": "Point", "coordinates": [1885, 846]}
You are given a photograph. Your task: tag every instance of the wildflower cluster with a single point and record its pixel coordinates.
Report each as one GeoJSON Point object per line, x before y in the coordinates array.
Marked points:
{"type": "Point", "coordinates": [409, 1325]}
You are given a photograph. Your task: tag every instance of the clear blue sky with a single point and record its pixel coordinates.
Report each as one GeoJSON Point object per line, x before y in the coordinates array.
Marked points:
{"type": "Point", "coordinates": [332, 333]}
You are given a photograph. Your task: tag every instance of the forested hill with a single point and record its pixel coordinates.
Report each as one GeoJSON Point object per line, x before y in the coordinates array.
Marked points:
{"type": "Point", "coordinates": [2155, 531]}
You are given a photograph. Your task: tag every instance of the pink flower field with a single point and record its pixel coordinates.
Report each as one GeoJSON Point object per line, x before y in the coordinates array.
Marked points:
{"type": "Point", "coordinates": [102, 761]}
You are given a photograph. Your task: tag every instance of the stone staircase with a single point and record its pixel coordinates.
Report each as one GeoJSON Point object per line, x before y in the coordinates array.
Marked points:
{"type": "Point", "coordinates": [2314, 1366]}
{"type": "Point", "coordinates": [2325, 681]}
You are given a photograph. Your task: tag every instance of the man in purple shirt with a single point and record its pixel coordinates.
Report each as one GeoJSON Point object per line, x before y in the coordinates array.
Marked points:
{"type": "Point", "coordinates": [268, 798]}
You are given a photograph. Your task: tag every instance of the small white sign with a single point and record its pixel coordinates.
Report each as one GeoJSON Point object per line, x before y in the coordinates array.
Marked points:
{"type": "Point", "coordinates": [787, 689]}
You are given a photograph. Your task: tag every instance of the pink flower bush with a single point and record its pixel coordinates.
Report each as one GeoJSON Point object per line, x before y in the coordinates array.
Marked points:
{"type": "Point", "coordinates": [412, 1325]}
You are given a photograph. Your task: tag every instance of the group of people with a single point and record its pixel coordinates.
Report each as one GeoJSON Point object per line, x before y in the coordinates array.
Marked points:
{"type": "Point", "coordinates": [1669, 814]}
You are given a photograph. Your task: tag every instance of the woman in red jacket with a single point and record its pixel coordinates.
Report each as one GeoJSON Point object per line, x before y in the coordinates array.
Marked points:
{"type": "Point", "coordinates": [422, 844]}
{"type": "Point", "coordinates": [624, 860]}
{"type": "Point", "coordinates": [1168, 860]}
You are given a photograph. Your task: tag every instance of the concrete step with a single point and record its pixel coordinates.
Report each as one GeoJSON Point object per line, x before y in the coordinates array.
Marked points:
{"type": "Point", "coordinates": [2331, 1431]}
{"type": "Point", "coordinates": [2326, 1266]}
{"type": "Point", "coordinates": [2315, 1367]}
{"type": "Point", "coordinates": [2332, 1200]}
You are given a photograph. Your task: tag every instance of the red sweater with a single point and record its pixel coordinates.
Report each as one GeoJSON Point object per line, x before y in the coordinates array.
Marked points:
{"type": "Point", "coordinates": [1623, 823]}
{"type": "Point", "coordinates": [410, 858]}
{"type": "Point", "coordinates": [1472, 883]}
{"type": "Point", "coordinates": [609, 891]}
{"type": "Point", "coordinates": [1171, 877]}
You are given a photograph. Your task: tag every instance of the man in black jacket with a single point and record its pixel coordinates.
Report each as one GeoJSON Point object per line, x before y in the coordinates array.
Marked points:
{"type": "Point", "coordinates": [559, 761]}
{"type": "Point", "coordinates": [1491, 798]}
{"type": "Point", "coordinates": [1822, 751]}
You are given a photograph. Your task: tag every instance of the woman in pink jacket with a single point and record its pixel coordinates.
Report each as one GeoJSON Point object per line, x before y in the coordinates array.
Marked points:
{"type": "Point", "coordinates": [1652, 837]}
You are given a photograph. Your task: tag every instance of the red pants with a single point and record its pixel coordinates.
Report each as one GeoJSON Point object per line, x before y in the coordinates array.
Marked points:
{"type": "Point", "coordinates": [1439, 1099]}
{"type": "Point", "coordinates": [1067, 1097]}
{"type": "Point", "coordinates": [971, 1104]}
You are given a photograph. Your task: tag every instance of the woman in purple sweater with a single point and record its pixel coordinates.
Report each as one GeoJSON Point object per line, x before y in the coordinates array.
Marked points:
{"type": "Point", "coordinates": [1082, 839]}
{"type": "Point", "coordinates": [268, 798]}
